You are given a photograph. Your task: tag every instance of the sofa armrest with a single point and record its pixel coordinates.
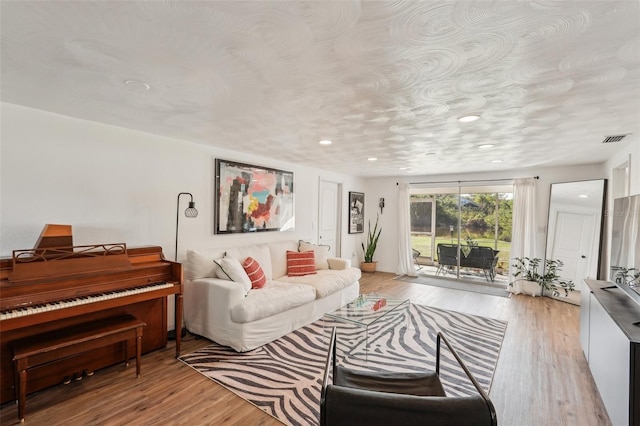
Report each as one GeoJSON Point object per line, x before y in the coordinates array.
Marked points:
{"type": "Point", "coordinates": [208, 301]}
{"type": "Point", "coordinates": [339, 263]}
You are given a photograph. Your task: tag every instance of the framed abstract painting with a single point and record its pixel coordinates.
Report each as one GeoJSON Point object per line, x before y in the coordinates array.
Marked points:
{"type": "Point", "coordinates": [252, 198]}
{"type": "Point", "coordinates": [356, 212]}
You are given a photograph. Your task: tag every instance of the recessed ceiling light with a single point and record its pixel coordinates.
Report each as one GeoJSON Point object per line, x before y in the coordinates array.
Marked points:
{"type": "Point", "coordinates": [325, 142]}
{"type": "Point", "coordinates": [486, 146]}
{"type": "Point", "coordinates": [468, 118]}
{"type": "Point", "coordinates": [402, 168]}
{"type": "Point", "coordinates": [583, 196]}
{"type": "Point", "coordinates": [372, 159]}
{"type": "Point", "coordinates": [496, 161]}
{"type": "Point", "coordinates": [136, 85]}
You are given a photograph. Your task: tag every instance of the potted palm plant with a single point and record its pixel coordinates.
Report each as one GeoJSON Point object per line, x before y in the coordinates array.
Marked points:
{"type": "Point", "coordinates": [531, 280]}
{"type": "Point", "coordinates": [369, 265]}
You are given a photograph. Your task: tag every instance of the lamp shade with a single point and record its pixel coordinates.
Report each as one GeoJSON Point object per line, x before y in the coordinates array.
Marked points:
{"type": "Point", "coordinates": [191, 211]}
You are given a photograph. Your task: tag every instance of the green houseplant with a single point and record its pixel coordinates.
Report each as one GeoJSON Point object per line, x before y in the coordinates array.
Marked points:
{"type": "Point", "coordinates": [369, 265]}
{"type": "Point", "coordinates": [529, 270]}
{"type": "Point", "coordinates": [629, 276]}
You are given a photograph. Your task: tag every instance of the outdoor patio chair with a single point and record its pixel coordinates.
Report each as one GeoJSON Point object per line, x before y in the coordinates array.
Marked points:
{"type": "Point", "coordinates": [484, 258]}
{"type": "Point", "coordinates": [357, 398]}
{"type": "Point", "coordinates": [416, 254]}
{"type": "Point", "coordinates": [447, 257]}
{"type": "Point", "coordinates": [477, 257]}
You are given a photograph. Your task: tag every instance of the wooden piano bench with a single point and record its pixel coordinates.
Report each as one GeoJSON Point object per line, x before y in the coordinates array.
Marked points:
{"type": "Point", "coordinates": [55, 345]}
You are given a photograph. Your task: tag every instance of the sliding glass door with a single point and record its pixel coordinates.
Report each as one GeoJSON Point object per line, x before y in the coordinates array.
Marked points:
{"type": "Point", "coordinates": [462, 232]}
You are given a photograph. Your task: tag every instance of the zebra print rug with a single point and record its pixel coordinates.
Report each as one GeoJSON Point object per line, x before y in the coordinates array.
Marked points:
{"type": "Point", "coordinates": [284, 377]}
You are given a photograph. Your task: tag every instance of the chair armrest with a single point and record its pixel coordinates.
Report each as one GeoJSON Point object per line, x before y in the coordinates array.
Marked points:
{"type": "Point", "coordinates": [330, 364]}
{"type": "Point", "coordinates": [483, 395]}
{"type": "Point", "coordinates": [339, 263]}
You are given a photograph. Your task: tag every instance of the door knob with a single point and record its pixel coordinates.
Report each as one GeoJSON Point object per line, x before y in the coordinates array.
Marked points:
{"type": "Point", "coordinates": [583, 256]}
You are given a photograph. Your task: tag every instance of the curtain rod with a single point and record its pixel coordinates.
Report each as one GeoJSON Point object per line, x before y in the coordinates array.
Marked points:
{"type": "Point", "coordinates": [465, 181]}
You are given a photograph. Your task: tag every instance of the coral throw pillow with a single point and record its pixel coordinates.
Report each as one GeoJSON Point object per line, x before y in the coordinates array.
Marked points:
{"type": "Point", "coordinates": [255, 272]}
{"type": "Point", "coordinates": [301, 263]}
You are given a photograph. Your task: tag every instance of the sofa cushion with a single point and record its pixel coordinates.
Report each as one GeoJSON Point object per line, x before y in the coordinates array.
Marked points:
{"type": "Point", "coordinates": [326, 281]}
{"type": "Point", "coordinates": [230, 269]}
{"type": "Point", "coordinates": [260, 252]}
{"type": "Point", "coordinates": [255, 273]}
{"type": "Point", "coordinates": [273, 298]}
{"type": "Point", "coordinates": [300, 263]}
{"type": "Point", "coordinates": [321, 253]}
{"type": "Point", "coordinates": [200, 265]}
{"type": "Point", "coordinates": [278, 252]}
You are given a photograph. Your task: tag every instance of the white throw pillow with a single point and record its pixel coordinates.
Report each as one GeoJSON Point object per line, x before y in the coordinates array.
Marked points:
{"type": "Point", "coordinates": [321, 253]}
{"type": "Point", "coordinates": [200, 266]}
{"type": "Point", "coordinates": [231, 269]}
{"type": "Point", "coordinates": [260, 252]}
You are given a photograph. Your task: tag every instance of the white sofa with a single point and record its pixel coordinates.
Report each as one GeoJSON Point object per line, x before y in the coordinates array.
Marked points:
{"type": "Point", "coordinates": [230, 314]}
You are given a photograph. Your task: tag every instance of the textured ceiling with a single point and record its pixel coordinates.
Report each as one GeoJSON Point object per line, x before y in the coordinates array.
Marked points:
{"type": "Point", "coordinates": [385, 79]}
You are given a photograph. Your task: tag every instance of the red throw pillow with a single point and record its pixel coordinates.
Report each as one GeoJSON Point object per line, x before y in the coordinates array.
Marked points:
{"type": "Point", "coordinates": [301, 263]}
{"type": "Point", "coordinates": [255, 272]}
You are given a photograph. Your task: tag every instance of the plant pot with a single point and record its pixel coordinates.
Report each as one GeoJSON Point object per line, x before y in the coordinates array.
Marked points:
{"type": "Point", "coordinates": [368, 266]}
{"type": "Point", "coordinates": [531, 288]}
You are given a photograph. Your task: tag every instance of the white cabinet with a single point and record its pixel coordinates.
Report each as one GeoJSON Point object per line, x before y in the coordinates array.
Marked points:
{"type": "Point", "coordinates": [610, 339]}
{"type": "Point", "coordinates": [585, 299]}
{"type": "Point", "coordinates": [609, 363]}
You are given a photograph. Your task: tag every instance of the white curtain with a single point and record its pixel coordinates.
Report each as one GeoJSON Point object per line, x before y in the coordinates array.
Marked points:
{"type": "Point", "coordinates": [523, 237]}
{"type": "Point", "coordinates": [405, 260]}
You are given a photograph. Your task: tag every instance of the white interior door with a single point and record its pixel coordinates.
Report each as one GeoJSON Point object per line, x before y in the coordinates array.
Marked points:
{"type": "Point", "coordinates": [329, 220]}
{"type": "Point", "coordinates": [573, 243]}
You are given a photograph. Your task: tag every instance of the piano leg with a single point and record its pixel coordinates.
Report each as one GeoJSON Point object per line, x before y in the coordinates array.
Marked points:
{"type": "Point", "coordinates": [138, 350]}
{"type": "Point", "coordinates": [178, 321]}
{"type": "Point", "coordinates": [125, 349]}
{"type": "Point", "coordinates": [22, 392]}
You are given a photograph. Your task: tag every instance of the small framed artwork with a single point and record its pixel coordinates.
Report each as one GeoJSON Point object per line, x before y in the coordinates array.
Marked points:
{"type": "Point", "coordinates": [252, 198]}
{"type": "Point", "coordinates": [356, 212]}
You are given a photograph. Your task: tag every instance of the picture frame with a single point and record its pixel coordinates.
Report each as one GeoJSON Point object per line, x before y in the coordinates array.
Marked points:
{"type": "Point", "coordinates": [252, 198]}
{"type": "Point", "coordinates": [356, 212]}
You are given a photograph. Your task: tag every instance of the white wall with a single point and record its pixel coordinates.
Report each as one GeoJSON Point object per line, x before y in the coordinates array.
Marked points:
{"type": "Point", "coordinates": [116, 185]}
{"type": "Point", "coordinates": [387, 253]}
{"type": "Point", "coordinates": [629, 150]}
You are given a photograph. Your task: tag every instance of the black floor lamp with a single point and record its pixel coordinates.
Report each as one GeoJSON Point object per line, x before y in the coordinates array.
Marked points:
{"type": "Point", "coordinates": [191, 212]}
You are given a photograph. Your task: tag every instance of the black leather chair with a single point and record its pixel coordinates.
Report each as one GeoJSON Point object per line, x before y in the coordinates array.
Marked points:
{"type": "Point", "coordinates": [354, 398]}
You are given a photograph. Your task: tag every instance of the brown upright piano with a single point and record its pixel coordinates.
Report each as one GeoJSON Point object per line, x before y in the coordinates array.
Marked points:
{"type": "Point", "coordinates": [52, 287]}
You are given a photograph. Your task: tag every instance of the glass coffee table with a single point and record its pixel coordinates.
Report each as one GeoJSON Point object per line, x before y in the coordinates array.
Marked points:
{"type": "Point", "coordinates": [367, 310]}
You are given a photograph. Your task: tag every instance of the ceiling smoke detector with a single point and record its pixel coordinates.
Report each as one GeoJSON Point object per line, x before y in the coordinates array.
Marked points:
{"type": "Point", "coordinates": [615, 138]}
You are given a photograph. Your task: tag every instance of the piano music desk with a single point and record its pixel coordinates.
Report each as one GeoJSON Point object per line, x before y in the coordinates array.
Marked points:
{"type": "Point", "coordinates": [55, 345]}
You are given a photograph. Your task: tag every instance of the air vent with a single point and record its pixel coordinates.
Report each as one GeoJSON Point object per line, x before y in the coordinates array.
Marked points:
{"type": "Point", "coordinates": [614, 138]}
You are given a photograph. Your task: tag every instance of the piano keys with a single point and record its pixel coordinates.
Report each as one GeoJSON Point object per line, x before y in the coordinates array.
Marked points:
{"type": "Point", "coordinates": [68, 303]}
{"type": "Point", "coordinates": [37, 295]}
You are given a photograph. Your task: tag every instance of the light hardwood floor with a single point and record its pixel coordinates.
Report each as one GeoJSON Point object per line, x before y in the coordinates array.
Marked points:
{"type": "Point", "coordinates": [542, 377]}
